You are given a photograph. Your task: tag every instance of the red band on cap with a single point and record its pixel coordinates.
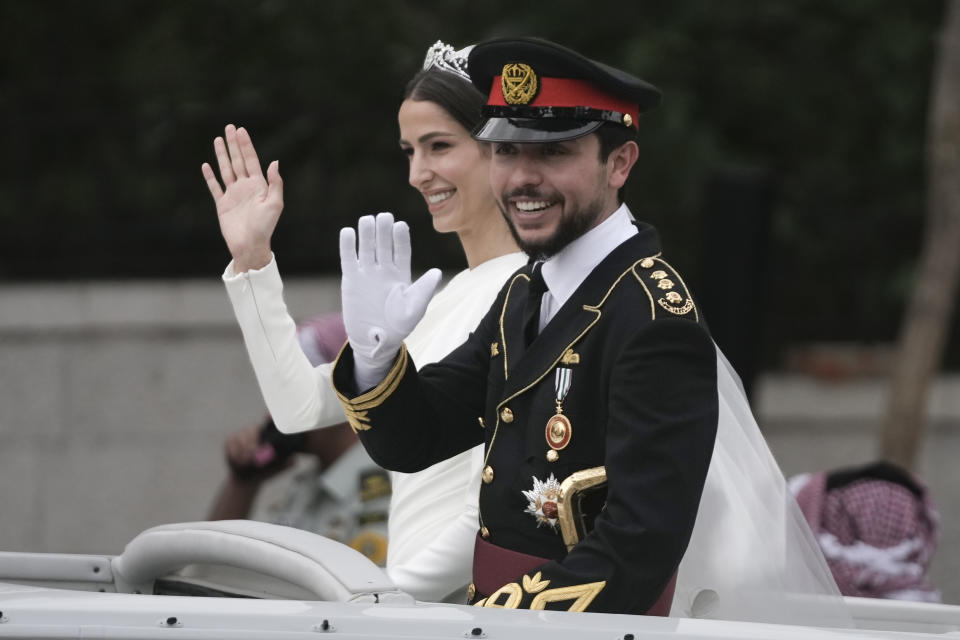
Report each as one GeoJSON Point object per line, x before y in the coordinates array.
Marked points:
{"type": "Point", "coordinates": [568, 92]}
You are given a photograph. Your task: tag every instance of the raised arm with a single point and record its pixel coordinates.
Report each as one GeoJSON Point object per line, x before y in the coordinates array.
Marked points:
{"type": "Point", "coordinates": [248, 206]}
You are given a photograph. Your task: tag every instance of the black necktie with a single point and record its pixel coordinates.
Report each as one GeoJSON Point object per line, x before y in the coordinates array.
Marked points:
{"type": "Point", "coordinates": [531, 310]}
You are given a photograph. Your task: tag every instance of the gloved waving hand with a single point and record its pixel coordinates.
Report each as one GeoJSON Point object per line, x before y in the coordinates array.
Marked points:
{"type": "Point", "coordinates": [380, 304]}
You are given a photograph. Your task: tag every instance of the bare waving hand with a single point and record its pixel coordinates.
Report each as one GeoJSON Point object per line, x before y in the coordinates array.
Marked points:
{"type": "Point", "coordinates": [248, 205]}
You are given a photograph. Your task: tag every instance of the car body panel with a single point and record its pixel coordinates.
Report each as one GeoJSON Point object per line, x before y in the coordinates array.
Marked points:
{"type": "Point", "coordinates": [75, 596]}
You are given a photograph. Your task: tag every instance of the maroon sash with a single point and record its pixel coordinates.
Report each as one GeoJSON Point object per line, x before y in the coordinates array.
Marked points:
{"type": "Point", "coordinates": [494, 566]}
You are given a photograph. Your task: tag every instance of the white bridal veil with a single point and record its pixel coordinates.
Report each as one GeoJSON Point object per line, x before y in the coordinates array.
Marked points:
{"type": "Point", "coordinates": [752, 556]}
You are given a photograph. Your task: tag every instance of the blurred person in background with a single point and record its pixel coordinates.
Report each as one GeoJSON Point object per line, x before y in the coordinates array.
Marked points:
{"type": "Point", "coordinates": [878, 527]}
{"type": "Point", "coordinates": [342, 494]}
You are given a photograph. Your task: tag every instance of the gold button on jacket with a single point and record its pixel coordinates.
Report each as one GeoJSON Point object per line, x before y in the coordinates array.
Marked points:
{"type": "Point", "coordinates": [487, 474]}
{"type": "Point", "coordinates": [506, 414]}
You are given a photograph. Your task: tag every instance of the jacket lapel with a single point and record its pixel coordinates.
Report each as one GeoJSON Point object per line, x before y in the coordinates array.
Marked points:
{"type": "Point", "coordinates": [511, 321]}
{"type": "Point", "coordinates": [527, 365]}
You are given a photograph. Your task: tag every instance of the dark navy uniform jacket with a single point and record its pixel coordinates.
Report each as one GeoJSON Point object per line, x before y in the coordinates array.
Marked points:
{"type": "Point", "coordinates": [642, 402]}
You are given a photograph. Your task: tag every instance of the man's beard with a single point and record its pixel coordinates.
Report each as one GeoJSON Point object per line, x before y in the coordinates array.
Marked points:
{"type": "Point", "coordinates": [572, 225]}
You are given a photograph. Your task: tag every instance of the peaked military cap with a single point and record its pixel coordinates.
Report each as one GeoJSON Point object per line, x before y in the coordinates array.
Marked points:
{"type": "Point", "coordinates": [540, 91]}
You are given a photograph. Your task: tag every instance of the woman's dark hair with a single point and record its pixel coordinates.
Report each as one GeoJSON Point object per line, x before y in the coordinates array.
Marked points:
{"type": "Point", "coordinates": [450, 92]}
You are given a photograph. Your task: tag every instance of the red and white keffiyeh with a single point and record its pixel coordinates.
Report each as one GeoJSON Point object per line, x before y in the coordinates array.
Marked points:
{"type": "Point", "coordinates": [877, 526]}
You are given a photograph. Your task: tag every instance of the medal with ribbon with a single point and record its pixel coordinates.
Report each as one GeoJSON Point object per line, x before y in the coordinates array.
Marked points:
{"type": "Point", "coordinates": [559, 430]}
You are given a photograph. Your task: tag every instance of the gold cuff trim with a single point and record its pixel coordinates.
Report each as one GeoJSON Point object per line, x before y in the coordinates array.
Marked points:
{"type": "Point", "coordinates": [356, 408]}
{"type": "Point", "coordinates": [535, 584]}
{"type": "Point", "coordinates": [514, 594]}
{"type": "Point", "coordinates": [581, 594]}
{"type": "Point", "coordinates": [510, 596]}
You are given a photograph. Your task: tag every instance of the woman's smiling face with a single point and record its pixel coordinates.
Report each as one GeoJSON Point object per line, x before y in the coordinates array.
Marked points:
{"type": "Point", "coordinates": [447, 166]}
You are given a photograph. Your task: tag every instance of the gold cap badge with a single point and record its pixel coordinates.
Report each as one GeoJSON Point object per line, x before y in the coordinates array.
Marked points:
{"type": "Point", "coordinates": [519, 83]}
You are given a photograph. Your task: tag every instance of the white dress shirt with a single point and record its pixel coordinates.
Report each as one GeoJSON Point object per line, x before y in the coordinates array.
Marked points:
{"type": "Point", "coordinates": [567, 270]}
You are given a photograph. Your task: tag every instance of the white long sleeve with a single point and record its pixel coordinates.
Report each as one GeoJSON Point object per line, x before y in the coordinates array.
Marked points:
{"type": "Point", "coordinates": [298, 395]}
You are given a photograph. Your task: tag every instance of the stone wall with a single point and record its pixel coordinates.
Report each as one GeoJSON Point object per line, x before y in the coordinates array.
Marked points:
{"type": "Point", "coordinates": [114, 403]}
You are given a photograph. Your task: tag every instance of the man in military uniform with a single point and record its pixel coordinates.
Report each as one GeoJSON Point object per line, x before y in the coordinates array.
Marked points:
{"type": "Point", "coordinates": [592, 379]}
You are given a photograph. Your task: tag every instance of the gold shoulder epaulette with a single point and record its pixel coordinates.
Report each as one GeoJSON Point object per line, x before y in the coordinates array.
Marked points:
{"type": "Point", "coordinates": [666, 289]}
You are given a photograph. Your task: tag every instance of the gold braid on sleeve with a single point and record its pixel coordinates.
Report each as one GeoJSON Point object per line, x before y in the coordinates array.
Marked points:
{"type": "Point", "coordinates": [357, 408]}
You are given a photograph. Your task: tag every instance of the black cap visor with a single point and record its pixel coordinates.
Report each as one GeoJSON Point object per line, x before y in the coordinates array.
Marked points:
{"type": "Point", "coordinates": [533, 129]}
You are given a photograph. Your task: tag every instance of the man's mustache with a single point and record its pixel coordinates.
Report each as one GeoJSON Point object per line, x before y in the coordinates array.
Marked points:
{"type": "Point", "coordinates": [527, 191]}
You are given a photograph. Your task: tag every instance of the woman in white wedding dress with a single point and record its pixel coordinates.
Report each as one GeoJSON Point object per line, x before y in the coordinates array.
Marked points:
{"type": "Point", "coordinates": [433, 513]}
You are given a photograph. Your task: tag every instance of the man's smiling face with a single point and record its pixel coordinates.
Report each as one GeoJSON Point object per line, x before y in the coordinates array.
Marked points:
{"type": "Point", "coordinates": [551, 193]}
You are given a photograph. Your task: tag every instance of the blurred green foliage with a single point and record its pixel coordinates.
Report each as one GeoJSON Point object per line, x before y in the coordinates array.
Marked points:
{"type": "Point", "coordinates": [110, 107]}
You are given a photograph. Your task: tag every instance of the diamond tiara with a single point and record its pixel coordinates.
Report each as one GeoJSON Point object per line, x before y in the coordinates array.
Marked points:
{"type": "Point", "coordinates": [443, 57]}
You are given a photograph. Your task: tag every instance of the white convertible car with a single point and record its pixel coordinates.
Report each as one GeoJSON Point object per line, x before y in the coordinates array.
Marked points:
{"type": "Point", "coordinates": [243, 579]}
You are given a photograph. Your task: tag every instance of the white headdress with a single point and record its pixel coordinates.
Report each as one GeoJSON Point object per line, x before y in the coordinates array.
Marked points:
{"type": "Point", "coordinates": [443, 57]}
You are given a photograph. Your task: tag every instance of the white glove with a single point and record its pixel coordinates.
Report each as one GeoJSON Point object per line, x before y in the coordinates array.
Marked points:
{"type": "Point", "coordinates": [380, 305]}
